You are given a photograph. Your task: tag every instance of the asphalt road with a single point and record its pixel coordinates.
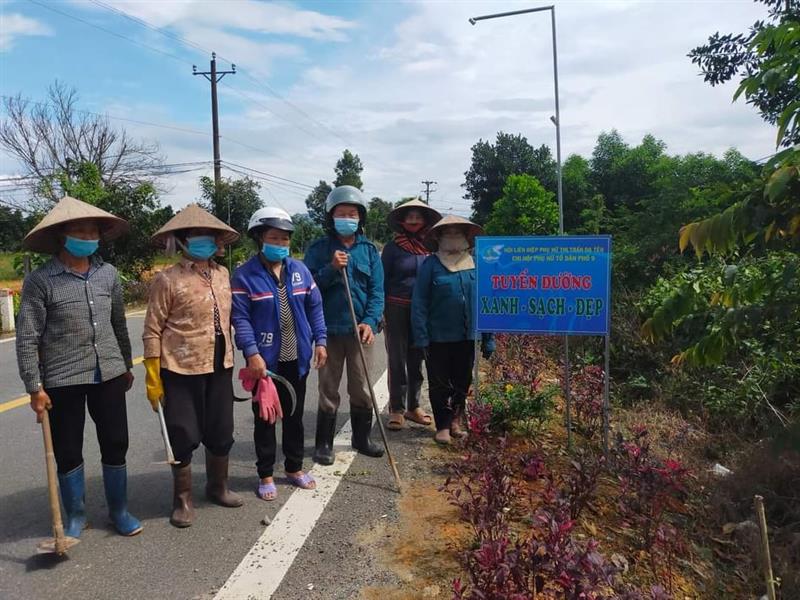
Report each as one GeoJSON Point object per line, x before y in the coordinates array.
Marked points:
{"type": "Point", "coordinates": [162, 562]}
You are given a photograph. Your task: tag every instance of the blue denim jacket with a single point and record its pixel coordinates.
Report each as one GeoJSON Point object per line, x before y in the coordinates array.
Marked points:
{"type": "Point", "coordinates": [443, 306]}
{"type": "Point", "coordinates": [365, 274]}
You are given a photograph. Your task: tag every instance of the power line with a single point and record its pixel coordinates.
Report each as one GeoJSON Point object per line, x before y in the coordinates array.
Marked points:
{"type": "Point", "coordinates": [108, 31]}
{"type": "Point", "coordinates": [304, 185]}
{"type": "Point", "coordinates": [245, 74]}
{"type": "Point", "coordinates": [113, 117]}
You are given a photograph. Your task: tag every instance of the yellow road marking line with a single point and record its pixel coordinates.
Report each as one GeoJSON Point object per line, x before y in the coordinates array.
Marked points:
{"type": "Point", "coordinates": [23, 400]}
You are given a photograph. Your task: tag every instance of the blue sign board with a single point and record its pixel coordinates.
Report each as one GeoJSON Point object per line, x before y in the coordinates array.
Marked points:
{"type": "Point", "coordinates": [551, 285]}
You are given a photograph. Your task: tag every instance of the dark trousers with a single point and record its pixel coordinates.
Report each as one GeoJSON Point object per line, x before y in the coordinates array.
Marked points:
{"type": "Point", "coordinates": [106, 402]}
{"type": "Point", "coordinates": [291, 426]}
{"type": "Point", "coordinates": [449, 377]}
{"type": "Point", "coordinates": [405, 361]}
{"type": "Point", "coordinates": [199, 408]}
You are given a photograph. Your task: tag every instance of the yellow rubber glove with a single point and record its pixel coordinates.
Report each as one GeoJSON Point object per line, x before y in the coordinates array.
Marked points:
{"type": "Point", "coordinates": [152, 382]}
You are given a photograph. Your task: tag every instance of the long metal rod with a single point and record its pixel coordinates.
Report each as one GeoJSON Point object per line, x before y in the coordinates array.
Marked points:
{"type": "Point", "coordinates": [560, 193]}
{"type": "Point", "coordinates": [606, 388]}
{"type": "Point", "coordinates": [375, 407]}
{"type": "Point", "coordinates": [476, 384]}
{"type": "Point", "coordinates": [512, 13]}
{"type": "Point", "coordinates": [165, 436]}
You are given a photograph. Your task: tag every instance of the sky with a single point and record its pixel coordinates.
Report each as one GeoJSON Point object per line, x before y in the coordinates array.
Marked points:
{"type": "Point", "coordinates": [408, 86]}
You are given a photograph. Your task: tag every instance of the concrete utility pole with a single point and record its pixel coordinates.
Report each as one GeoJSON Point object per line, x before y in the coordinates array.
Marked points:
{"type": "Point", "coordinates": [428, 190]}
{"type": "Point", "coordinates": [215, 77]}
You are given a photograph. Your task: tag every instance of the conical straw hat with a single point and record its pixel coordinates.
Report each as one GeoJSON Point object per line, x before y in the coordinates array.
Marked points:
{"type": "Point", "coordinates": [471, 229]}
{"type": "Point", "coordinates": [44, 237]}
{"type": "Point", "coordinates": [194, 217]}
{"type": "Point", "coordinates": [431, 215]}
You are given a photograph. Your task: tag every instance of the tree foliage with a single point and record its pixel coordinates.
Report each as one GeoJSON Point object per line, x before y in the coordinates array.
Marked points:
{"type": "Point", "coordinates": [137, 203]}
{"type": "Point", "coordinates": [767, 58]}
{"type": "Point", "coordinates": [306, 230]}
{"type": "Point", "coordinates": [377, 227]}
{"type": "Point", "coordinates": [237, 198]}
{"type": "Point", "coordinates": [315, 202]}
{"type": "Point", "coordinates": [525, 208]}
{"type": "Point", "coordinates": [757, 236]}
{"type": "Point", "coordinates": [348, 170]}
{"type": "Point", "coordinates": [493, 163]}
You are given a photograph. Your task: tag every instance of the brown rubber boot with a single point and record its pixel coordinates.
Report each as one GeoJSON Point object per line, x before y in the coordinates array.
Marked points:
{"type": "Point", "coordinates": [217, 482]}
{"type": "Point", "coordinates": [182, 507]}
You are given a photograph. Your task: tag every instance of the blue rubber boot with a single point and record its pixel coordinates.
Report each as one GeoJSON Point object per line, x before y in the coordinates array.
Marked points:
{"type": "Point", "coordinates": [115, 481]}
{"type": "Point", "coordinates": [73, 489]}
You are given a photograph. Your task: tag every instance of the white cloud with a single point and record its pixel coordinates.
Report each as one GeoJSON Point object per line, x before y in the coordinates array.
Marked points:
{"type": "Point", "coordinates": [14, 26]}
{"type": "Point", "coordinates": [242, 15]}
{"type": "Point", "coordinates": [414, 99]}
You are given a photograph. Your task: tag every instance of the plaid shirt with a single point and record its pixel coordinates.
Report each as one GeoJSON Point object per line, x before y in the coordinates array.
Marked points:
{"type": "Point", "coordinates": [70, 326]}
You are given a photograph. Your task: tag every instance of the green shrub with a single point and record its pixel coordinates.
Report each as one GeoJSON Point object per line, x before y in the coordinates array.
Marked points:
{"type": "Point", "coordinates": [519, 408]}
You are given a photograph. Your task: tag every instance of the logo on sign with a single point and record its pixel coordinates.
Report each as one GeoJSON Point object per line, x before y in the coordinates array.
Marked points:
{"type": "Point", "coordinates": [493, 253]}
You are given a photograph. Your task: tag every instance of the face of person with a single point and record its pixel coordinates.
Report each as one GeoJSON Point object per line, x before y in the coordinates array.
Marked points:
{"type": "Point", "coordinates": [82, 230]}
{"type": "Point", "coordinates": [345, 211]}
{"type": "Point", "coordinates": [202, 232]}
{"type": "Point", "coordinates": [276, 237]}
{"type": "Point", "coordinates": [414, 220]}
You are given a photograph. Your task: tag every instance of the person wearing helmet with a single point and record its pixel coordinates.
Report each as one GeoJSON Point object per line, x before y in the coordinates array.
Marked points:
{"type": "Point", "coordinates": [188, 355]}
{"type": "Point", "coordinates": [279, 324]}
{"type": "Point", "coordinates": [401, 259]}
{"type": "Point", "coordinates": [346, 251]}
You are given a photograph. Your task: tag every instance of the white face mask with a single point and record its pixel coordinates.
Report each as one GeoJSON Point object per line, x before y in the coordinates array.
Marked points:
{"type": "Point", "coordinates": [453, 243]}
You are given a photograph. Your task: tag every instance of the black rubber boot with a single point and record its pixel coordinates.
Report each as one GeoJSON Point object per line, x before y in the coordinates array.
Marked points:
{"type": "Point", "coordinates": [323, 445]}
{"type": "Point", "coordinates": [362, 425]}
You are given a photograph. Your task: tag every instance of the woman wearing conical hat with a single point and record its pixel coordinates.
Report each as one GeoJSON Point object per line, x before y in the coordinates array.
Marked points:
{"type": "Point", "coordinates": [402, 258]}
{"type": "Point", "coordinates": [73, 351]}
{"type": "Point", "coordinates": [188, 355]}
{"type": "Point", "coordinates": [443, 321]}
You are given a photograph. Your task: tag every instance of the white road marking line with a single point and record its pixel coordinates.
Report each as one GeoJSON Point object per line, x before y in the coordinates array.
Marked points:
{"type": "Point", "coordinates": [130, 314]}
{"type": "Point", "coordinates": [263, 568]}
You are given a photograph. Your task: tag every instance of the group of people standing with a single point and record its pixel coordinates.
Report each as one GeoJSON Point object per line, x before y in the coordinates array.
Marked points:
{"type": "Point", "coordinates": [287, 315]}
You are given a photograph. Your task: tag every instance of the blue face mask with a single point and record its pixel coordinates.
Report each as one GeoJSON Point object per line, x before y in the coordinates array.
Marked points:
{"type": "Point", "coordinates": [345, 227]}
{"type": "Point", "coordinates": [80, 248]}
{"type": "Point", "coordinates": [202, 246]}
{"type": "Point", "coordinates": [274, 253]}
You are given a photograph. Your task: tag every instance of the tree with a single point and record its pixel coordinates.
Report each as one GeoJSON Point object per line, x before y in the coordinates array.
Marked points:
{"type": "Point", "coordinates": [377, 225]}
{"type": "Point", "coordinates": [240, 197]}
{"type": "Point", "coordinates": [348, 170]}
{"type": "Point", "coordinates": [137, 203]}
{"type": "Point", "coordinates": [306, 230]}
{"type": "Point", "coordinates": [525, 208]}
{"type": "Point", "coordinates": [493, 163]}
{"type": "Point", "coordinates": [13, 227]}
{"type": "Point", "coordinates": [755, 296]}
{"type": "Point", "coordinates": [53, 137]}
{"type": "Point", "coordinates": [767, 60]}
{"type": "Point", "coordinates": [577, 190]}
{"type": "Point", "coordinates": [315, 203]}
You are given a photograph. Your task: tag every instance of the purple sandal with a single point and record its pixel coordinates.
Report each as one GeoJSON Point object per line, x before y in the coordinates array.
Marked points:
{"type": "Point", "coordinates": [304, 481]}
{"type": "Point", "coordinates": [267, 491]}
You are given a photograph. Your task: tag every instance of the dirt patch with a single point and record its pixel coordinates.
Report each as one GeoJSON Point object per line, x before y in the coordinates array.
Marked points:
{"type": "Point", "coordinates": [421, 547]}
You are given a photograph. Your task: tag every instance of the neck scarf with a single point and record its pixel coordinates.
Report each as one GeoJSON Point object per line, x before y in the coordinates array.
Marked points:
{"type": "Point", "coordinates": [411, 243]}
{"type": "Point", "coordinates": [454, 254]}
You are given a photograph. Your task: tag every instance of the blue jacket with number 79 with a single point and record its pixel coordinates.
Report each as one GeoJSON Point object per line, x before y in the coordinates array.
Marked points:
{"type": "Point", "coordinates": [256, 314]}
